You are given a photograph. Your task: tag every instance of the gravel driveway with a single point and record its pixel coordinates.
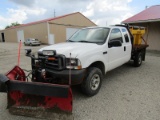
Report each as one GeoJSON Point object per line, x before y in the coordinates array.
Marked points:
{"type": "Point", "coordinates": [127, 93]}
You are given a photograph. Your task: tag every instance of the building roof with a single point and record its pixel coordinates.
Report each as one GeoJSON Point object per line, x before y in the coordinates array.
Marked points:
{"type": "Point", "coordinates": [150, 14]}
{"type": "Point", "coordinates": [48, 20]}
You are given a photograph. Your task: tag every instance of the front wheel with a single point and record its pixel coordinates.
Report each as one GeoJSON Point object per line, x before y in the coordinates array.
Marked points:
{"type": "Point", "coordinates": [138, 59]}
{"type": "Point", "coordinates": [92, 82]}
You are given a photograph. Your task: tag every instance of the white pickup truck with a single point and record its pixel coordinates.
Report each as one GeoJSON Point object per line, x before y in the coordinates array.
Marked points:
{"type": "Point", "coordinates": [89, 53]}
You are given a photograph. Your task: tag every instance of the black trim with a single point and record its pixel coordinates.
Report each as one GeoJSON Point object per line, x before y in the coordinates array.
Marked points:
{"type": "Point", "coordinates": [124, 48]}
{"type": "Point", "coordinates": [3, 81]}
{"type": "Point", "coordinates": [77, 76]}
{"type": "Point", "coordinates": [42, 89]}
{"type": "Point", "coordinates": [3, 87]}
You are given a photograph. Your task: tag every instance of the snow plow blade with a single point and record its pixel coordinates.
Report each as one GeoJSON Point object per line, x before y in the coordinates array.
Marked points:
{"type": "Point", "coordinates": [35, 99]}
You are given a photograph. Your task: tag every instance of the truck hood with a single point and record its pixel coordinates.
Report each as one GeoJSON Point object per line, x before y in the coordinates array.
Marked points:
{"type": "Point", "coordinates": [74, 48]}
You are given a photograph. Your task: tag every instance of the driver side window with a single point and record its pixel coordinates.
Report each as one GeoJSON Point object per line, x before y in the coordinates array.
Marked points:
{"type": "Point", "coordinates": [115, 35]}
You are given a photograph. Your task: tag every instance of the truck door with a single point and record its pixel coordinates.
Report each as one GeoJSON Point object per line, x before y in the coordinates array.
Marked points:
{"type": "Point", "coordinates": [127, 45]}
{"type": "Point", "coordinates": [115, 53]}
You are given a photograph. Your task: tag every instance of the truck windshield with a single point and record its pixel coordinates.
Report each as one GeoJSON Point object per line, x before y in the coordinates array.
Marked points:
{"type": "Point", "coordinates": [90, 35]}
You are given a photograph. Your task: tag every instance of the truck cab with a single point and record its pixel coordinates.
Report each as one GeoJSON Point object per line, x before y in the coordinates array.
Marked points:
{"type": "Point", "coordinates": [91, 50]}
{"type": "Point", "coordinates": [118, 54]}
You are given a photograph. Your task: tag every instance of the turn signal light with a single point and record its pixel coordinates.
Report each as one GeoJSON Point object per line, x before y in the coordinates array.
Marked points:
{"type": "Point", "coordinates": [51, 58]}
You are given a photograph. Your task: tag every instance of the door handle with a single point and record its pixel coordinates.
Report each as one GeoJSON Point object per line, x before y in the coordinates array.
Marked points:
{"type": "Point", "coordinates": [124, 48]}
{"type": "Point", "coordinates": [105, 52]}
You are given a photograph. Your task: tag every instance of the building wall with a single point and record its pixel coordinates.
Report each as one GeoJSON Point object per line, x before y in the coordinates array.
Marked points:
{"type": "Point", "coordinates": [38, 31]}
{"type": "Point", "coordinates": [72, 21]}
{"type": "Point", "coordinates": [10, 35]}
{"type": "Point", "coordinates": [56, 27]}
{"type": "Point", "coordinates": [152, 34]}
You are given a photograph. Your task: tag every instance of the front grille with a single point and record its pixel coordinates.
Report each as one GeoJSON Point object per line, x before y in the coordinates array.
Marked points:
{"type": "Point", "coordinates": [57, 64]}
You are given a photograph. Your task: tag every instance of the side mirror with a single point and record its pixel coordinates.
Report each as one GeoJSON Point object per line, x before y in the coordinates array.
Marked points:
{"type": "Point", "coordinates": [114, 43]}
{"type": "Point", "coordinates": [28, 52]}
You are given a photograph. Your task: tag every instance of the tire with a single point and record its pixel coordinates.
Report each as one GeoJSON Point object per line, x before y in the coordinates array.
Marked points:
{"type": "Point", "coordinates": [92, 82]}
{"type": "Point", "coordinates": [30, 44]}
{"type": "Point", "coordinates": [138, 59]}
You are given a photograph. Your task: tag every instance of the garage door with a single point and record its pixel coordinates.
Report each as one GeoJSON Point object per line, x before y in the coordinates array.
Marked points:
{"type": "Point", "coordinates": [70, 32]}
{"type": "Point", "coordinates": [20, 35]}
{"type": "Point", "coordinates": [51, 39]}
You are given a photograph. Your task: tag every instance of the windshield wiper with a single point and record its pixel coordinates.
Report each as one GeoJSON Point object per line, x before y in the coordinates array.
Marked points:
{"type": "Point", "coordinates": [85, 41]}
{"type": "Point", "coordinates": [70, 41]}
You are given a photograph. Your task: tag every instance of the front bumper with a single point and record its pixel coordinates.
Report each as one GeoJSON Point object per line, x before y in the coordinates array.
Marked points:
{"type": "Point", "coordinates": [35, 43]}
{"type": "Point", "coordinates": [77, 76]}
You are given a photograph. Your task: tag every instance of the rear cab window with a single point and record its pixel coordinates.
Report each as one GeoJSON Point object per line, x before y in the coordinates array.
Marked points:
{"type": "Point", "coordinates": [125, 33]}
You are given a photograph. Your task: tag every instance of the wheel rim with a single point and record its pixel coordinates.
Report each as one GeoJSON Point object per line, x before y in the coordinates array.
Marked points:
{"type": "Point", "coordinates": [139, 60]}
{"type": "Point", "coordinates": [95, 81]}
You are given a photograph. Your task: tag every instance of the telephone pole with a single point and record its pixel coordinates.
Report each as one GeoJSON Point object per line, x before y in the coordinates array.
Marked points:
{"type": "Point", "coordinates": [54, 13]}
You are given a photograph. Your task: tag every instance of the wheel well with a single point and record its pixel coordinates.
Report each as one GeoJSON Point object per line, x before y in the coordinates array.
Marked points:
{"type": "Point", "coordinates": [99, 65]}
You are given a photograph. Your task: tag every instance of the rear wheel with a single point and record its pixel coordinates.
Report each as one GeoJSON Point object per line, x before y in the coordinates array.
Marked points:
{"type": "Point", "coordinates": [92, 82]}
{"type": "Point", "coordinates": [138, 59]}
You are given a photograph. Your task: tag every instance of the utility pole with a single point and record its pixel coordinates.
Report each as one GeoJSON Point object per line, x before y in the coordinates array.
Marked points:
{"type": "Point", "coordinates": [54, 13]}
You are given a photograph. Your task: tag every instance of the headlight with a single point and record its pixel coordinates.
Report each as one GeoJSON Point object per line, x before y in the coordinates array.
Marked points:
{"type": "Point", "coordinates": [72, 63]}
{"type": "Point", "coordinates": [48, 52]}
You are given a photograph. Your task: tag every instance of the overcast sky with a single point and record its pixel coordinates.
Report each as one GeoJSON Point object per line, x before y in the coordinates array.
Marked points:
{"type": "Point", "coordinates": [101, 12]}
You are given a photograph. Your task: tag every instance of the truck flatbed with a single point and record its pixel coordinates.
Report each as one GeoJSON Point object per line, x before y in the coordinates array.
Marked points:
{"type": "Point", "coordinates": [139, 47]}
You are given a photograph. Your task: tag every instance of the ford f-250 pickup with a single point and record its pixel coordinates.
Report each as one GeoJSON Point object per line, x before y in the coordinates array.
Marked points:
{"type": "Point", "coordinates": [89, 53]}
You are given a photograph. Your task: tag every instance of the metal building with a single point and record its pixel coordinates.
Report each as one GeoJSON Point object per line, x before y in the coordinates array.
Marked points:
{"type": "Point", "coordinates": [149, 18]}
{"type": "Point", "coordinates": [48, 31]}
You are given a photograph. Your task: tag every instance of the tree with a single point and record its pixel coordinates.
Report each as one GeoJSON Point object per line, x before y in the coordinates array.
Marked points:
{"type": "Point", "coordinates": [12, 25]}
